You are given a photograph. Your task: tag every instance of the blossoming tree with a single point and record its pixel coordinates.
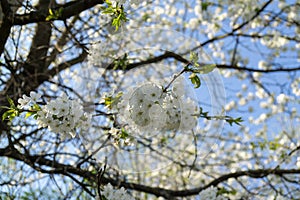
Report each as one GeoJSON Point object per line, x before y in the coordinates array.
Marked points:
{"type": "Point", "coordinates": [132, 99]}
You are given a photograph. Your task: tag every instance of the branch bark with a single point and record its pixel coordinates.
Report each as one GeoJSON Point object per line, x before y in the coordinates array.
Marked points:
{"type": "Point", "coordinates": [180, 58]}
{"type": "Point", "coordinates": [54, 167]}
{"type": "Point", "coordinates": [68, 10]}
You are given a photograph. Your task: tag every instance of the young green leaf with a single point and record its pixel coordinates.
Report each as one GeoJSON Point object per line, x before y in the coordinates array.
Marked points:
{"type": "Point", "coordinates": [204, 69]}
{"type": "Point", "coordinates": [51, 12]}
{"type": "Point", "coordinates": [28, 114]}
{"type": "Point", "coordinates": [195, 80]}
{"type": "Point", "coordinates": [194, 58]}
{"type": "Point", "coordinates": [10, 115]}
{"type": "Point", "coordinates": [11, 102]}
{"type": "Point", "coordinates": [124, 134]}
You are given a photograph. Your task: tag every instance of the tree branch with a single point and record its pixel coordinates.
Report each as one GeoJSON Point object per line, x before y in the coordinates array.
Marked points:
{"type": "Point", "coordinates": [6, 24]}
{"type": "Point", "coordinates": [68, 10]}
{"type": "Point", "coordinates": [59, 168]}
{"type": "Point", "coordinates": [178, 57]}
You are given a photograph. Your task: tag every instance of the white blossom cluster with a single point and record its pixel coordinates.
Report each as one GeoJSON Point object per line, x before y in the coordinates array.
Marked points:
{"type": "Point", "coordinates": [149, 108]}
{"type": "Point", "coordinates": [211, 194]}
{"type": "Point", "coordinates": [296, 87]}
{"type": "Point", "coordinates": [112, 194]}
{"type": "Point", "coordinates": [61, 115]}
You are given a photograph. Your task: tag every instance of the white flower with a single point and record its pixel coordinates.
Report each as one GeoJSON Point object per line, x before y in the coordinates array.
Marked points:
{"type": "Point", "coordinates": [23, 101]}
{"type": "Point", "coordinates": [137, 98]}
{"type": "Point", "coordinates": [282, 98]}
{"type": "Point", "coordinates": [76, 110]}
{"type": "Point", "coordinates": [34, 97]}
{"type": "Point", "coordinates": [52, 108]}
{"type": "Point", "coordinates": [179, 88]}
{"type": "Point", "coordinates": [155, 111]}
{"type": "Point", "coordinates": [188, 122]}
{"type": "Point", "coordinates": [295, 87]}
{"type": "Point", "coordinates": [242, 101]}
{"type": "Point", "coordinates": [193, 23]}
{"type": "Point", "coordinates": [262, 64]}
{"type": "Point", "coordinates": [63, 115]}
{"type": "Point", "coordinates": [110, 193]}
{"type": "Point", "coordinates": [151, 92]}
{"type": "Point", "coordinates": [149, 108]}
{"type": "Point", "coordinates": [211, 194]}
{"type": "Point", "coordinates": [55, 126]}
{"type": "Point", "coordinates": [86, 120]}
{"type": "Point", "coordinates": [42, 119]}
{"type": "Point", "coordinates": [63, 110]}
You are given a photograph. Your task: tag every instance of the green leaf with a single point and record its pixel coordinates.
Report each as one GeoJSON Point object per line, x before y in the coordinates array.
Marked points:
{"type": "Point", "coordinates": [109, 3]}
{"type": "Point", "coordinates": [36, 107]}
{"type": "Point", "coordinates": [117, 12]}
{"type": "Point", "coordinates": [5, 115]}
{"type": "Point", "coordinates": [121, 63]}
{"type": "Point", "coordinates": [5, 107]}
{"type": "Point", "coordinates": [10, 115]}
{"type": "Point", "coordinates": [223, 190]}
{"type": "Point", "coordinates": [54, 15]}
{"type": "Point", "coordinates": [195, 80]}
{"type": "Point", "coordinates": [274, 145]}
{"type": "Point", "coordinates": [108, 11]}
{"type": "Point", "coordinates": [51, 12]}
{"type": "Point", "coordinates": [236, 121]}
{"type": "Point", "coordinates": [163, 140]}
{"type": "Point", "coordinates": [110, 101]}
{"type": "Point", "coordinates": [11, 102]}
{"type": "Point", "coordinates": [194, 58]}
{"type": "Point", "coordinates": [124, 134]}
{"type": "Point", "coordinates": [204, 69]}
{"type": "Point", "coordinates": [28, 114]}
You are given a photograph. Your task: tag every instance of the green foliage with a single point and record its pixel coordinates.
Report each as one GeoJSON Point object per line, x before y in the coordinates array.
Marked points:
{"type": "Point", "coordinates": [12, 111]}
{"type": "Point", "coordinates": [195, 80]}
{"type": "Point", "coordinates": [124, 134]}
{"type": "Point", "coordinates": [223, 190]}
{"type": "Point", "coordinates": [121, 63]}
{"type": "Point", "coordinates": [195, 68]}
{"type": "Point", "coordinates": [194, 59]}
{"type": "Point", "coordinates": [54, 15]}
{"type": "Point", "coordinates": [203, 69]}
{"type": "Point", "coordinates": [227, 118]}
{"type": "Point", "coordinates": [110, 101]}
{"type": "Point", "coordinates": [117, 12]}
{"type": "Point", "coordinates": [231, 120]}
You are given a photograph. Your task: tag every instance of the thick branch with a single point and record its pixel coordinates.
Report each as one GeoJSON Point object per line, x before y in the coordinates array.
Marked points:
{"type": "Point", "coordinates": [35, 62]}
{"type": "Point", "coordinates": [6, 24]}
{"type": "Point", "coordinates": [68, 10]}
{"type": "Point", "coordinates": [36, 161]}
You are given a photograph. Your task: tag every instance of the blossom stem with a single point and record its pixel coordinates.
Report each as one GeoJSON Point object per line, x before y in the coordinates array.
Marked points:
{"type": "Point", "coordinates": [185, 69]}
